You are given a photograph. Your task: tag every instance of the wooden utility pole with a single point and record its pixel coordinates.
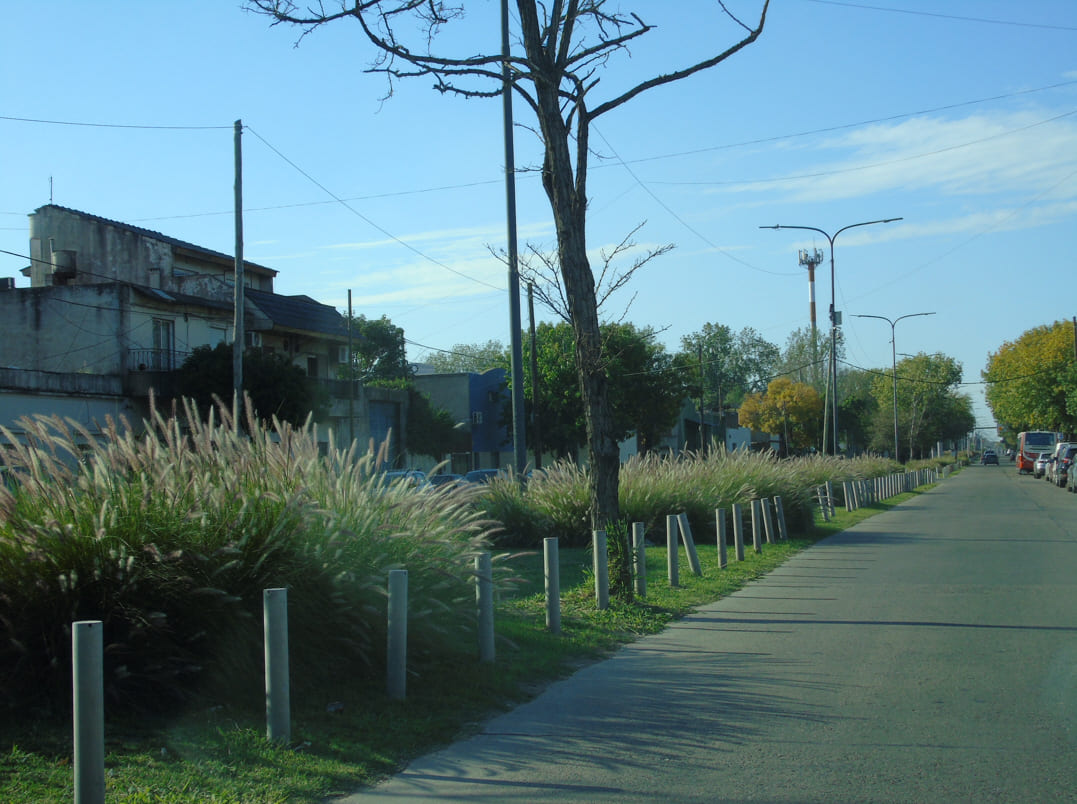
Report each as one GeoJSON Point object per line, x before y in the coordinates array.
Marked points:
{"type": "Point", "coordinates": [238, 329]}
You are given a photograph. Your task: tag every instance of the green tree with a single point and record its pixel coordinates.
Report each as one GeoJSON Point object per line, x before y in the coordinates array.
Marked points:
{"type": "Point", "coordinates": [469, 357]}
{"type": "Point", "coordinates": [1032, 381]}
{"type": "Point", "coordinates": [792, 410]}
{"type": "Point", "coordinates": [563, 47]}
{"type": "Point", "coordinates": [804, 358]}
{"type": "Point", "coordinates": [857, 409]}
{"type": "Point", "coordinates": [645, 394]}
{"type": "Point", "coordinates": [378, 350]}
{"type": "Point", "coordinates": [275, 386]}
{"type": "Point", "coordinates": [733, 364]}
{"type": "Point", "coordinates": [930, 407]}
{"type": "Point", "coordinates": [431, 430]}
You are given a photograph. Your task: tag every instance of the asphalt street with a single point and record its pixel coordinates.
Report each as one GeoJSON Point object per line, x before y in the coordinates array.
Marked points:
{"type": "Point", "coordinates": [928, 654]}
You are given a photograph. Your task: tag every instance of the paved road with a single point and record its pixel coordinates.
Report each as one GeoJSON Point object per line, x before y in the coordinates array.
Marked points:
{"type": "Point", "coordinates": [926, 655]}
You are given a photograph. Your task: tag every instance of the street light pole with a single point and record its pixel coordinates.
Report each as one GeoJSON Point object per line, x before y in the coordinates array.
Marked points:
{"type": "Point", "coordinates": [833, 318]}
{"type": "Point", "coordinates": [893, 349]}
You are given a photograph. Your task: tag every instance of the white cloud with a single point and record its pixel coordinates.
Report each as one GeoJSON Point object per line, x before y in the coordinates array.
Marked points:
{"type": "Point", "coordinates": [1024, 152]}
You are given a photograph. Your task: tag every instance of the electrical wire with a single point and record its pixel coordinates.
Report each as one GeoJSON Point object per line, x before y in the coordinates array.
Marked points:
{"type": "Point", "coordinates": [364, 218]}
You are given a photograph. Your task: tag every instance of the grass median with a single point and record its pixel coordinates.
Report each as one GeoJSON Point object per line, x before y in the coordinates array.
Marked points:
{"type": "Point", "coordinates": [220, 754]}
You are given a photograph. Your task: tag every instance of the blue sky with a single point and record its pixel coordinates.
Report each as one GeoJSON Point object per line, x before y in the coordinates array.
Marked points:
{"type": "Point", "coordinates": [960, 117]}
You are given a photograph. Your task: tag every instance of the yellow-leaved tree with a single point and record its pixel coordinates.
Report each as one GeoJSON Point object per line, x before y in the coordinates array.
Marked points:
{"type": "Point", "coordinates": [792, 410]}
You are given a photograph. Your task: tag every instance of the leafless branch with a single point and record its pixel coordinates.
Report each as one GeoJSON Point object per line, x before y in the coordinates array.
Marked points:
{"type": "Point", "coordinates": [542, 270]}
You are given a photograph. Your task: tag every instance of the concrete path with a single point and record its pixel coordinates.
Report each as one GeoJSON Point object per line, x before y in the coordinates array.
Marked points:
{"type": "Point", "coordinates": [926, 655]}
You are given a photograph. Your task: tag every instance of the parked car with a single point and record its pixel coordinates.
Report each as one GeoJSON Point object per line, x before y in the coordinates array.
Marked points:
{"type": "Point", "coordinates": [410, 477]}
{"type": "Point", "coordinates": [989, 458]}
{"type": "Point", "coordinates": [1039, 466]}
{"type": "Point", "coordinates": [481, 475]}
{"type": "Point", "coordinates": [445, 479]}
{"type": "Point", "coordinates": [1064, 464]}
{"type": "Point", "coordinates": [1054, 461]}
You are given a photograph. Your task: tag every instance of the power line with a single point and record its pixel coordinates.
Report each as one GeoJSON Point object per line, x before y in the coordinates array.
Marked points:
{"type": "Point", "coordinates": [843, 126]}
{"type": "Point", "coordinates": [364, 218]}
{"type": "Point", "coordinates": [678, 218]}
{"type": "Point", "coordinates": [983, 20]}
{"type": "Point", "coordinates": [111, 125]}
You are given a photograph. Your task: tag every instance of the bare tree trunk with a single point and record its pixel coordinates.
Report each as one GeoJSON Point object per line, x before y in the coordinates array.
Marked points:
{"type": "Point", "coordinates": [565, 186]}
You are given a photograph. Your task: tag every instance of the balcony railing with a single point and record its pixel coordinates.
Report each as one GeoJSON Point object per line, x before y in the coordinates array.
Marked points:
{"type": "Point", "coordinates": [154, 359]}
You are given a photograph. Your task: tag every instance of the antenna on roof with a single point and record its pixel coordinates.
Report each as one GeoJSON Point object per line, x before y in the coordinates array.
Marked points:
{"type": "Point", "coordinates": [50, 189]}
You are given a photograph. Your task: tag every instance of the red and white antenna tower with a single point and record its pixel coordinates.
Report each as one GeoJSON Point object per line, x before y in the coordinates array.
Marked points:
{"type": "Point", "coordinates": [810, 259]}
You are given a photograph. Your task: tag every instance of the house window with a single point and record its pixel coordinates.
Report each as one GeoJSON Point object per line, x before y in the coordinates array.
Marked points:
{"type": "Point", "coordinates": [163, 356]}
{"type": "Point", "coordinates": [312, 366]}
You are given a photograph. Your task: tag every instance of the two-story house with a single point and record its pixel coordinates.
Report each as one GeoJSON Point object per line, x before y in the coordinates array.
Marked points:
{"type": "Point", "coordinates": [113, 309]}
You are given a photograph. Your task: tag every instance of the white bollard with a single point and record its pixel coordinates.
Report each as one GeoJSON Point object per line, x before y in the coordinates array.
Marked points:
{"type": "Point", "coordinates": [278, 688]}
{"type": "Point", "coordinates": [397, 652]}
{"type": "Point", "coordinates": [639, 557]}
{"type": "Point", "coordinates": [719, 522]}
{"type": "Point", "coordinates": [552, 565]}
{"type": "Point", "coordinates": [484, 600]}
{"type": "Point", "coordinates": [87, 660]}
{"type": "Point", "coordinates": [830, 498]}
{"type": "Point", "coordinates": [824, 504]}
{"type": "Point", "coordinates": [757, 526]}
{"type": "Point", "coordinates": [601, 564]}
{"type": "Point", "coordinates": [783, 529]}
{"type": "Point", "coordinates": [672, 558]}
{"type": "Point", "coordinates": [768, 521]}
{"type": "Point", "coordinates": [689, 544]}
{"type": "Point", "coordinates": [738, 531]}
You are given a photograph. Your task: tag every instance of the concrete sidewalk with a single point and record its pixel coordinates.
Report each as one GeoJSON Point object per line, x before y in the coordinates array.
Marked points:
{"type": "Point", "coordinates": [921, 656]}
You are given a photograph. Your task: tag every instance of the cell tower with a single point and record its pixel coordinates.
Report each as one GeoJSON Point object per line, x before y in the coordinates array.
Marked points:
{"type": "Point", "coordinates": [810, 259]}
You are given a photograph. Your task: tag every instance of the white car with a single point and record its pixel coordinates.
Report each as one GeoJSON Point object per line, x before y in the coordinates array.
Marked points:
{"type": "Point", "coordinates": [1039, 467]}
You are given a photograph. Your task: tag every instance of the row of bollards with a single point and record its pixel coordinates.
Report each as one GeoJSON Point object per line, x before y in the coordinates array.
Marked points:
{"type": "Point", "coordinates": [87, 655]}
{"type": "Point", "coordinates": [768, 526]}
{"type": "Point", "coordinates": [858, 493]}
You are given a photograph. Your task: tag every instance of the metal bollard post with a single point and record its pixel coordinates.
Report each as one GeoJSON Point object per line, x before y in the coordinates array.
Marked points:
{"type": "Point", "coordinates": [87, 659]}
{"type": "Point", "coordinates": [552, 565]}
{"type": "Point", "coordinates": [397, 652]}
{"type": "Point", "coordinates": [672, 558]}
{"type": "Point", "coordinates": [738, 531]}
{"type": "Point", "coordinates": [689, 544]}
{"type": "Point", "coordinates": [278, 691]}
{"type": "Point", "coordinates": [639, 557]}
{"type": "Point", "coordinates": [783, 529]}
{"type": "Point", "coordinates": [484, 599]}
{"type": "Point", "coordinates": [719, 521]}
{"type": "Point", "coordinates": [768, 521]}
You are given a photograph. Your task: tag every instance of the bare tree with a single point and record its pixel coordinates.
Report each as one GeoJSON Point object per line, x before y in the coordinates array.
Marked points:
{"type": "Point", "coordinates": [566, 43]}
{"type": "Point", "coordinates": [540, 268]}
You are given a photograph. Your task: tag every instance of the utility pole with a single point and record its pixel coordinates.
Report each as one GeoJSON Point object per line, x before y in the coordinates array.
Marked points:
{"type": "Point", "coordinates": [519, 440]}
{"type": "Point", "coordinates": [835, 315]}
{"type": "Point", "coordinates": [351, 376]}
{"type": "Point", "coordinates": [702, 442]}
{"type": "Point", "coordinates": [238, 327]}
{"type": "Point", "coordinates": [536, 425]}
